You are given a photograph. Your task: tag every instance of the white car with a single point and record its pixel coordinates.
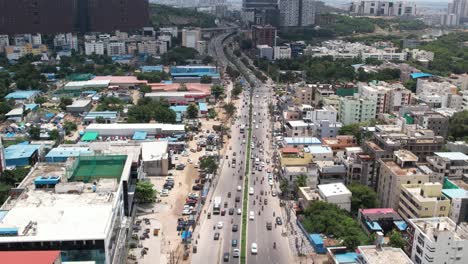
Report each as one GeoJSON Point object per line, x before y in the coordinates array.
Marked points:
{"type": "Point", "coordinates": [164, 192]}
{"type": "Point", "coordinates": [270, 182]}
{"type": "Point", "coordinates": [239, 188]}
{"type": "Point", "coordinates": [254, 249]}
{"type": "Point", "coordinates": [251, 215]}
{"type": "Point", "coordinates": [251, 191]}
{"type": "Point", "coordinates": [190, 161]}
{"type": "Point", "coordinates": [239, 211]}
{"type": "Point", "coordinates": [256, 127]}
{"type": "Point", "coordinates": [235, 253]}
{"type": "Point", "coordinates": [186, 212]}
{"type": "Point", "coordinates": [220, 225]}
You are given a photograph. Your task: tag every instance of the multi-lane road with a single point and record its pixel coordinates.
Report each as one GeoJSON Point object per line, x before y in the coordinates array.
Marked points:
{"type": "Point", "coordinates": [272, 245]}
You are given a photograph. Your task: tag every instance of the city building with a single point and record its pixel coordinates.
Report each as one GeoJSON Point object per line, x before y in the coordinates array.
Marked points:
{"type": "Point", "coordinates": [307, 195]}
{"type": "Point", "coordinates": [383, 220]}
{"type": "Point", "coordinates": [191, 37]}
{"type": "Point", "coordinates": [265, 52]}
{"type": "Point", "coordinates": [107, 117]}
{"type": "Point", "coordinates": [58, 16]}
{"type": "Point", "coordinates": [436, 240]}
{"type": "Point", "coordinates": [128, 130]}
{"type": "Point", "coordinates": [79, 106]}
{"type": "Point", "coordinates": [260, 12]}
{"type": "Point", "coordinates": [66, 42]}
{"type": "Point", "coordinates": [193, 73]}
{"type": "Point", "coordinates": [451, 165]}
{"type": "Point", "coordinates": [116, 48]}
{"type": "Point", "coordinates": [423, 200]}
{"type": "Point", "coordinates": [340, 142]}
{"type": "Point", "coordinates": [309, 10]}
{"type": "Point", "coordinates": [83, 208]}
{"type": "Point", "coordinates": [282, 52]}
{"type": "Point", "coordinates": [22, 97]}
{"type": "Point", "coordinates": [37, 257]}
{"type": "Point", "coordinates": [320, 153]}
{"type": "Point", "coordinates": [64, 152]}
{"type": "Point", "coordinates": [376, 254]}
{"type": "Point", "coordinates": [355, 109]}
{"type": "Point", "coordinates": [264, 35]}
{"type": "Point", "coordinates": [18, 51]}
{"type": "Point", "coordinates": [389, 97]}
{"type": "Point", "coordinates": [382, 8]}
{"type": "Point", "coordinates": [21, 155]}
{"type": "Point", "coordinates": [330, 172]}
{"type": "Point", "coordinates": [155, 158]}
{"type": "Point", "coordinates": [458, 9]}
{"type": "Point", "coordinates": [360, 167]}
{"type": "Point", "coordinates": [94, 47]}
{"type": "Point", "coordinates": [393, 173]}
{"type": "Point", "coordinates": [201, 47]}
{"type": "Point", "coordinates": [289, 12]}
{"type": "Point", "coordinates": [433, 121]}
{"type": "Point", "coordinates": [291, 173]}
{"type": "Point", "coordinates": [459, 201]}
{"type": "Point", "coordinates": [4, 41]}
{"type": "Point", "coordinates": [336, 193]}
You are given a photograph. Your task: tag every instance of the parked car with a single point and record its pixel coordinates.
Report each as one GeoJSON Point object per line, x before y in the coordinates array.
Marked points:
{"type": "Point", "coordinates": [269, 225]}
{"type": "Point", "coordinates": [180, 166]}
{"type": "Point", "coordinates": [216, 236]}
{"type": "Point", "coordinates": [226, 257]}
{"type": "Point", "coordinates": [279, 221]}
{"type": "Point", "coordinates": [164, 192]}
{"type": "Point", "coordinates": [231, 211]}
{"type": "Point", "coordinates": [235, 228]}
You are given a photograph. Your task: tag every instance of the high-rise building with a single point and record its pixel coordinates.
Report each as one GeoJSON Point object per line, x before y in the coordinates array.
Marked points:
{"type": "Point", "coordinates": [289, 13]}
{"type": "Point", "coordinates": [264, 35]}
{"type": "Point", "coordinates": [460, 9]}
{"type": "Point", "coordinates": [383, 8]}
{"type": "Point", "coordinates": [261, 12]}
{"type": "Point", "coordinates": [4, 41]}
{"type": "Point", "coordinates": [309, 9]}
{"type": "Point", "coordinates": [354, 109]}
{"type": "Point", "coordinates": [436, 240]}
{"type": "Point", "coordinates": [56, 16]}
{"type": "Point", "coordinates": [96, 47]}
{"type": "Point", "coordinates": [190, 37]}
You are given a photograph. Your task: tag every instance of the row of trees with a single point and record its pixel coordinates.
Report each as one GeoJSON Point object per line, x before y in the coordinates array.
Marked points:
{"type": "Point", "coordinates": [149, 109]}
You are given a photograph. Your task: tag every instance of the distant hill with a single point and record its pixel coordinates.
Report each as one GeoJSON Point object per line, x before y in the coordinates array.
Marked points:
{"type": "Point", "coordinates": [162, 16]}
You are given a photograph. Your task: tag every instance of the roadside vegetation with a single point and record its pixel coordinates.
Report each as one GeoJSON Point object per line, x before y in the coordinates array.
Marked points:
{"type": "Point", "coordinates": [164, 16]}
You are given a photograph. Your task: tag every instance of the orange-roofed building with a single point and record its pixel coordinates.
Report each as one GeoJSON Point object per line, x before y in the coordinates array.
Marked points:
{"type": "Point", "coordinates": [172, 87]}
{"type": "Point", "coordinates": [289, 150]}
{"type": "Point", "coordinates": [30, 257]}
{"type": "Point", "coordinates": [340, 142]}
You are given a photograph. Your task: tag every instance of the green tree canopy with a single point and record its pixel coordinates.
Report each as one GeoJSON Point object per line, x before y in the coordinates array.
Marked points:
{"type": "Point", "coordinates": [217, 91]}
{"type": "Point", "coordinates": [209, 164]}
{"type": "Point", "coordinates": [149, 109]}
{"type": "Point", "coordinates": [64, 101]}
{"type": "Point", "coordinates": [192, 111]}
{"type": "Point", "coordinates": [396, 240]}
{"type": "Point", "coordinates": [458, 126]}
{"type": "Point", "coordinates": [145, 192]}
{"type": "Point", "coordinates": [206, 79]}
{"type": "Point", "coordinates": [34, 133]}
{"type": "Point", "coordinates": [362, 197]}
{"type": "Point", "coordinates": [230, 109]}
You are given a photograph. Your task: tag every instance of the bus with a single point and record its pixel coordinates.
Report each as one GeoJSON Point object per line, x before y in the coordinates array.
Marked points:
{"type": "Point", "coordinates": [217, 205]}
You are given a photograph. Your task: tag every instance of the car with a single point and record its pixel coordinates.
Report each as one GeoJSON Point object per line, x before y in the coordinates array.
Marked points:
{"type": "Point", "coordinates": [251, 215]}
{"type": "Point", "coordinates": [251, 191]}
{"type": "Point", "coordinates": [226, 257]}
{"type": "Point", "coordinates": [265, 202]}
{"type": "Point", "coordinates": [234, 243]}
{"type": "Point", "coordinates": [239, 188]}
{"type": "Point", "coordinates": [279, 221]}
{"type": "Point", "coordinates": [220, 225]}
{"type": "Point", "coordinates": [237, 199]}
{"type": "Point", "coordinates": [180, 166]}
{"type": "Point", "coordinates": [254, 248]}
{"type": "Point", "coordinates": [235, 253]}
{"type": "Point", "coordinates": [190, 161]}
{"type": "Point", "coordinates": [270, 182]}
{"type": "Point", "coordinates": [269, 225]}
{"type": "Point", "coordinates": [193, 195]}
{"type": "Point", "coordinates": [164, 192]}
{"type": "Point", "coordinates": [186, 212]}
{"type": "Point", "coordinates": [196, 187]}
{"type": "Point", "coordinates": [273, 193]}
{"type": "Point", "coordinates": [231, 211]}
{"type": "Point", "coordinates": [216, 236]}
{"type": "Point", "coordinates": [223, 212]}
{"type": "Point", "coordinates": [235, 228]}
{"type": "Point", "coordinates": [193, 150]}
{"type": "Point", "coordinates": [239, 211]}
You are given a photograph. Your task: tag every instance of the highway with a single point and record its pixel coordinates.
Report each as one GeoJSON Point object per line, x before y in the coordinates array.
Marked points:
{"type": "Point", "coordinates": [211, 250]}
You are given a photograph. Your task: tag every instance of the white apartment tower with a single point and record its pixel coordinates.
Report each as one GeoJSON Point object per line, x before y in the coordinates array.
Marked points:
{"type": "Point", "coordinates": [190, 37]}
{"type": "Point", "coordinates": [437, 240]}
{"type": "Point", "coordinates": [94, 47]}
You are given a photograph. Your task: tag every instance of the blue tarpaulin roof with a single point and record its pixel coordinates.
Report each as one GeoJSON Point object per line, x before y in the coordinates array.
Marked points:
{"type": "Point", "coordinates": [316, 239]}
{"type": "Point", "coordinates": [21, 94]}
{"type": "Point", "coordinates": [401, 225]}
{"type": "Point", "coordinates": [203, 106]}
{"type": "Point", "coordinates": [139, 135]}
{"type": "Point", "coordinates": [417, 75]}
{"type": "Point", "coordinates": [374, 226]}
{"type": "Point", "coordinates": [186, 234]}
{"type": "Point", "coordinates": [349, 257]}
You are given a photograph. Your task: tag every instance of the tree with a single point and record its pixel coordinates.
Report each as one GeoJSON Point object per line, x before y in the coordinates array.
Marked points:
{"type": "Point", "coordinates": [207, 59]}
{"type": "Point", "coordinates": [145, 192]}
{"type": "Point", "coordinates": [64, 101]}
{"type": "Point", "coordinates": [236, 90]}
{"type": "Point", "coordinates": [362, 197]}
{"type": "Point", "coordinates": [100, 120]}
{"type": "Point", "coordinates": [300, 181]}
{"type": "Point", "coordinates": [69, 127]}
{"type": "Point", "coordinates": [145, 89]}
{"type": "Point", "coordinates": [192, 111]}
{"type": "Point", "coordinates": [246, 44]}
{"type": "Point", "coordinates": [230, 109]}
{"type": "Point", "coordinates": [217, 91]}
{"type": "Point", "coordinates": [34, 133]}
{"type": "Point", "coordinates": [149, 109]}
{"type": "Point", "coordinates": [396, 240]}
{"type": "Point", "coordinates": [353, 130]}
{"type": "Point", "coordinates": [458, 126]}
{"type": "Point", "coordinates": [284, 187]}
{"type": "Point", "coordinates": [40, 100]}
{"type": "Point", "coordinates": [54, 134]}
{"type": "Point", "coordinates": [209, 164]}
{"type": "Point", "coordinates": [206, 79]}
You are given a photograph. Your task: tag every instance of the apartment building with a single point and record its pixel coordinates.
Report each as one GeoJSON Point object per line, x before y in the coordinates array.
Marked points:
{"type": "Point", "coordinates": [382, 8]}
{"type": "Point", "coordinates": [116, 48]}
{"type": "Point", "coordinates": [459, 202]}
{"type": "Point", "coordinates": [393, 173]}
{"type": "Point", "coordinates": [281, 52]}
{"type": "Point", "coordinates": [453, 165]}
{"type": "Point", "coordinates": [336, 193]}
{"type": "Point", "coordinates": [389, 97]}
{"type": "Point", "coordinates": [376, 254]}
{"type": "Point", "coordinates": [264, 35]}
{"type": "Point", "coordinates": [190, 37]}
{"type": "Point", "coordinates": [94, 47]}
{"type": "Point", "coordinates": [359, 166]}
{"type": "Point", "coordinates": [355, 109]}
{"type": "Point", "coordinates": [431, 120]}
{"type": "Point", "coordinates": [304, 94]}
{"type": "Point", "coordinates": [436, 240]}
{"type": "Point", "coordinates": [423, 200]}
{"type": "Point", "coordinates": [340, 143]}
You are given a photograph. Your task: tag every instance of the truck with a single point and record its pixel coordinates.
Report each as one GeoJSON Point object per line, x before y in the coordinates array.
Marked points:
{"type": "Point", "coordinates": [217, 205]}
